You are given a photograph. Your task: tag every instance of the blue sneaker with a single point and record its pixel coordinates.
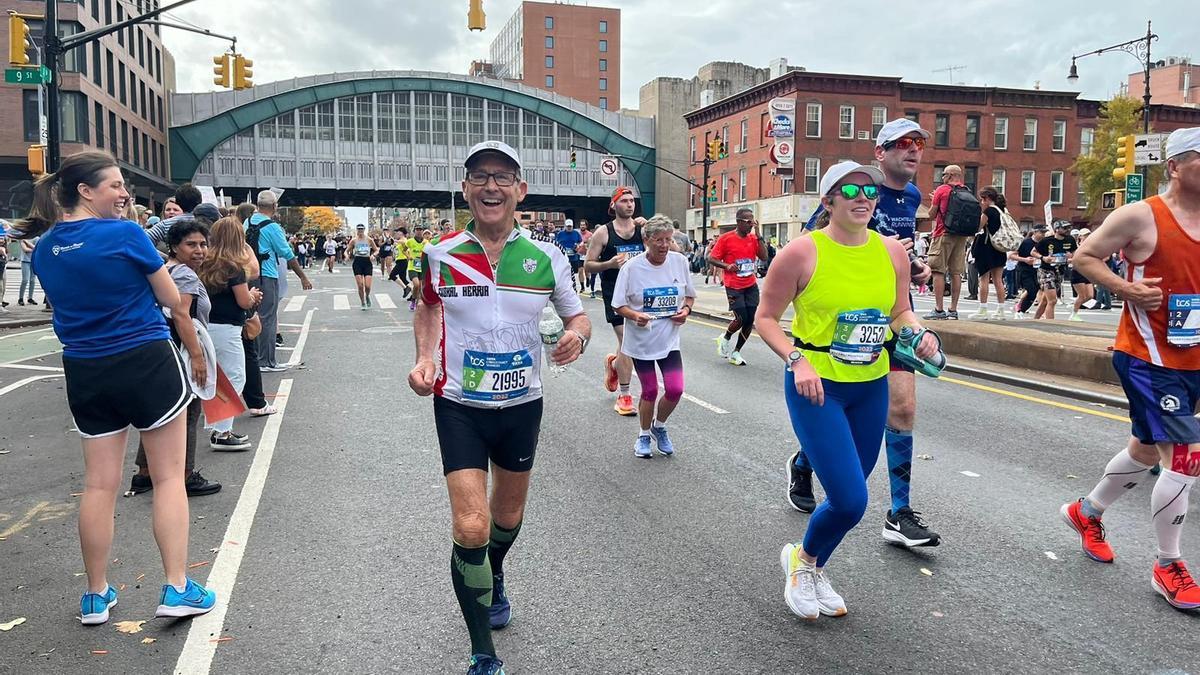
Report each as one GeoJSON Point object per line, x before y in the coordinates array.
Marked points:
{"type": "Point", "coordinates": [482, 664]}
{"type": "Point", "coordinates": [194, 600]}
{"type": "Point", "coordinates": [642, 447]}
{"type": "Point", "coordinates": [665, 446]}
{"type": "Point", "coordinates": [93, 607]}
{"type": "Point", "coordinates": [500, 613]}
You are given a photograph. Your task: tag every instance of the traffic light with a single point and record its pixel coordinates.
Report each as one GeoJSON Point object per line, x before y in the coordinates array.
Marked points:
{"type": "Point", "coordinates": [242, 74]}
{"type": "Point", "coordinates": [1125, 154]}
{"type": "Point", "coordinates": [713, 151]}
{"type": "Point", "coordinates": [36, 156]}
{"type": "Point", "coordinates": [221, 71]}
{"type": "Point", "coordinates": [712, 190]}
{"type": "Point", "coordinates": [722, 152]}
{"type": "Point", "coordinates": [572, 159]}
{"type": "Point", "coordinates": [19, 42]}
{"type": "Point", "coordinates": [476, 19]}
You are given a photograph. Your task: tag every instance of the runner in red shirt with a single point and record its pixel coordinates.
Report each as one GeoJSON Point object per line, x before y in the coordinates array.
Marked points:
{"type": "Point", "coordinates": [738, 252]}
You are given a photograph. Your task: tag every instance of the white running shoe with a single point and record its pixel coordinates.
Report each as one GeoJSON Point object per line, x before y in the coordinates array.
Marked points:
{"type": "Point", "coordinates": [980, 314]}
{"type": "Point", "coordinates": [800, 589]}
{"type": "Point", "coordinates": [724, 347]}
{"type": "Point", "coordinates": [1020, 316]}
{"type": "Point", "coordinates": [1075, 317]}
{"type": "Point", "coordinates": [736, 359]}
{"type": "Point", "coordinates": [1001, 315]}
{"type": "Point", "coordinates": [828, 600]}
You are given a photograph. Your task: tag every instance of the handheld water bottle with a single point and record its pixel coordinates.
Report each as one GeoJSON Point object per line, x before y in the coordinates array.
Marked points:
{"type": "Point", "coordinates": [550, 325]}
{"type": "Point", "coordinates": [905, 352]}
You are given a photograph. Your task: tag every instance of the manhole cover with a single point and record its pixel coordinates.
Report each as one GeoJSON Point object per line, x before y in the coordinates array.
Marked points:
{"type": "Point", "coordinates": [388, 329]}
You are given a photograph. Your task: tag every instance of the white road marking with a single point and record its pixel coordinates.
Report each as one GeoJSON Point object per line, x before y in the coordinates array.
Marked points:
{"type": "Point", "coordinates": [295, 303]}
{"type": "Point", "coordinates": [201, 645]}
{"type": "Point", "coordinates": [29, 332]}
{"type": "Point", "coordinates": [298, 350]}
{"type": "Point", "coordinates": [48, 337]}
{"type": "Point", "coordinates": [384, 301]}
{"type": "Point", "coordinates": [21, 383]}
{"type": "Point", "coordinates": [969, 474]}
{"type": "Point", "coordinates": [289, 325]}
{"type": "Point", "coordinates": [705, 404]}
{"type": "Point", "coordinates": [22, 366]}
{"type": "Point", "coordinates": [341, 302]}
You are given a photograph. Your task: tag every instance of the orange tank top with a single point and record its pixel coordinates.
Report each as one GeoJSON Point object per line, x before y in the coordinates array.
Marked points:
{"type": "Point", "coordinates": [1170, 335]}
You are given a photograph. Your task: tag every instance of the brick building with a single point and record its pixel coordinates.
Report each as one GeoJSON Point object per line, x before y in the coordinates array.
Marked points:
{"type": "Point", "coordinates": [1173, 81]}
{"type": "Point", "coordinates": [573, 50]}
{"type": "Point", "coordinates": [1022, 141]}
{"type": "Point", "coordinates": [113, 96]}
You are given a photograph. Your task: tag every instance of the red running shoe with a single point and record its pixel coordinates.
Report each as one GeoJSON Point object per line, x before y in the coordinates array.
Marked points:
{"type": "Point", "coordinates": [610, 372]}
{"type": "Point", "coordinates": [1091, 532]}
{"type": "Point", "coordinates": [1174, 583]}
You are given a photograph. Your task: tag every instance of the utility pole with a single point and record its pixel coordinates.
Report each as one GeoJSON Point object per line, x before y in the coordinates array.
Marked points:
{"type": "Point", "coordinates": [708, 161]}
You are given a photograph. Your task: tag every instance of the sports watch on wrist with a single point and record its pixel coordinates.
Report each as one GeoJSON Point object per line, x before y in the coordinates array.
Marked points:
{"type": "Point", "coordinates": [583, 342]}
{"type": "Point", "coordinates": [793, 357]}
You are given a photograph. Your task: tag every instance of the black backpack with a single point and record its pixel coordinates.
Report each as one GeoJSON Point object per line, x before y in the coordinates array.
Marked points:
{"type": "Point", "coordinates": [963, 211]}
{"type": "Point", "coordinates": [253, 230]}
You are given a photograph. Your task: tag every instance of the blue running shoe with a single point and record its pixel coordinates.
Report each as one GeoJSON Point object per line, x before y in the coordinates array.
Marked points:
{"type": "Point", "coordinates": [194, 600]}
{"type": "Point", "coordinates": [93, 607]}
{"type": "Point", "coordinates": [482, 664]}
{"type": "Point", "coordinates": [500, 613]}
{"type": "Point", "coordinates": [642, 447]}
{"type": "Point", "coordinates": [665, 446]}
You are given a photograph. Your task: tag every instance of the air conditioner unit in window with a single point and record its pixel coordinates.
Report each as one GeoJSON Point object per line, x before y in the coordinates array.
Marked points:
{"type": "Point", "coordinates": [864, 135]}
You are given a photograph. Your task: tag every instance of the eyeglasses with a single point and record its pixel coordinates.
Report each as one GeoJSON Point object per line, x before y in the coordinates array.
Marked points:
{"type": "Point", "coordinates": [502, 178]}
{"type": "Point", "coordinates": [905, 143]}
{"type": "Point", "coordinates": [850, 191]}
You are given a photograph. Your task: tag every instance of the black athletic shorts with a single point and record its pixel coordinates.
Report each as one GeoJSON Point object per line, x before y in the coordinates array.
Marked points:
{"type": "Point", "coordinates": [362, 266]}
{"type": "Point", "coordinates": [742, 299]}
{"type": "Point", "coordinates": [413, 274]}
{"type": "Point", "coordinates": [145, 387]}
{"type": "Point", "coordinates": [610, 314]}
{"type": "Point", "coordinates": [576, 263]}
{"type": "Point", "coordinates": [1077, 278]}
{"type": "Point", "coordinates": [400, 269]}
{"type": "Point", "coordinates": [469, 436]}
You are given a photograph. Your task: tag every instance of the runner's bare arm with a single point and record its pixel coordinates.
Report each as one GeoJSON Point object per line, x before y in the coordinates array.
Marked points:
{"type": "Point", "coordinates": [165, 290]}
{"type": "Point", "coordinates": [1120, 231]}
{"type": "Point", "coordinates": [595, 245]}
{"type": "Point", "coordinates": [569, 346]}
{"type": "Point", "coordinates": [785, 279]}
{"type": "Point", "coordinates": [427, 332]}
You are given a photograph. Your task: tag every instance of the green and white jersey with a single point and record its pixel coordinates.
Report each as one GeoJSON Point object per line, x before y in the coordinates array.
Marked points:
{"type": "Point", "coordinates": [490, 354]}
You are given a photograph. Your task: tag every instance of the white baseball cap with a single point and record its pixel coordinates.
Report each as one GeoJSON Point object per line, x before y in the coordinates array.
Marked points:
{"type": "Point", "coordinates": [842, 169]}
{"type": "Point", "coordinates": [898, 129]}
{"type": "Point", "coordinates": [1183, 140]}
{"type": "Point", "coordinates": [568, 223]}
{"type": "Point", "coordinates": [493, 146]}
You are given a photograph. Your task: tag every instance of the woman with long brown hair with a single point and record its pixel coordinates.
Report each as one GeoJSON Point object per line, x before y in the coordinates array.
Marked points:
{"type": "Point", "coordinates": [107, 282]}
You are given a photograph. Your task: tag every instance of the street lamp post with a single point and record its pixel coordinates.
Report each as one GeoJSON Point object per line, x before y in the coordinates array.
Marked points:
{"type": "Point", "coordinates": [1140, 50]}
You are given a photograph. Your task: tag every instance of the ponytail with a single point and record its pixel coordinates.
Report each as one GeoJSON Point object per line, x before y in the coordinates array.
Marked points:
{"type": "Point", "coordinates": [44, 212]}
{"type": "Point", "coordinates": [61, 188]}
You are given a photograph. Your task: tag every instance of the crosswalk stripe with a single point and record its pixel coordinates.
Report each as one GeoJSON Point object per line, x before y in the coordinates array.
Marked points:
{"type": "Point", "coordinates": [341, 302]}
{"type": "Point", "coordinates": [295, 304]}
{"type": "Point", "coordinates": [384, 301]}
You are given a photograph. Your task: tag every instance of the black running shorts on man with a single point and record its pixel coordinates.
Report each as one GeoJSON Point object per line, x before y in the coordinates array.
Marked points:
{"type": "Point", "coordinates": [471, 436]}
{"type": "Point", "coordinates": [145, 387]}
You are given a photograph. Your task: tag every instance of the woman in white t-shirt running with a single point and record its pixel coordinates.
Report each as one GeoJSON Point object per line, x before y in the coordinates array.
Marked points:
{"type": "Point", "coordinates": [654, 293]}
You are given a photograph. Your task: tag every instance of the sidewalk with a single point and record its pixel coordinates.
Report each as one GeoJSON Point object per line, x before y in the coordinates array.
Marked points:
{"type": "Point", "coordinates": [18, 316]}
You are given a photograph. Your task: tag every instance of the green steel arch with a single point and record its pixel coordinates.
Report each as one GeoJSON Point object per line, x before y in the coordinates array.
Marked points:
{"type": "Point", "coordinates": [192, 142]}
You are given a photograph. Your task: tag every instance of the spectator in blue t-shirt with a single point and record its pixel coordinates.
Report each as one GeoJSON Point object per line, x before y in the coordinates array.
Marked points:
{"type": "Point", "coordinates": [272, 244]}
{"type": "Point", "coordinates": [106, 282]}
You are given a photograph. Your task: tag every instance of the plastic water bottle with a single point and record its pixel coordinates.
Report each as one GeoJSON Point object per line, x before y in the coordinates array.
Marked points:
{"type": "Point", "coordinates": [551, 328]}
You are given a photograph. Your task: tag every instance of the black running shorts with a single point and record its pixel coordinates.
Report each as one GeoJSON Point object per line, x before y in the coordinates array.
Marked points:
{"type": "Point", "coordinates": [145, 387]}
{"type": "Point", "coordinates": [469, 436]}
{"type": "Point", "coordinates": [362, 266]}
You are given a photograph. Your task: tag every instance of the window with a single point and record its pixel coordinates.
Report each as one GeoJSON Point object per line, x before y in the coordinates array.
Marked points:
{"type": "Point", "coordinates": [941, 130]}
{"type": "Point", "coordinates": [725, 136]}
{"type": "Point", "coordinates": [549, 81]}
{"type": "Point", "coordinates": [125, 140]}
{"type": "Point", "coordinates": [812, 121]}
{"type": "Point", "coordinates": [998, 180]}
{"type": "Point", "coordinates": [112, 79]}
{"type": "Point", "coordinates": [603, 26]}
{"type": "Point", "coordinates": [913, 115]}
{"type": "Point", "coordinates": [549, 42]}
{"type": "Point", "coordinates": [724, 188]}
{"type": "Point", "coordinates": [121, 82]}
{"type": "Point", "coordinates": [30, 113]}
{"type": "Point", "coordinates": [549, 61]}
{"type": "Point", "coordinates": [549, 23]}
{"type": "Point", "coordinates": [1030, 133]}
{"type": "Point", "coordinates": [1001, 141]}
{"type": "Point", "coordinates": [938, 169]}
{"type": "Point", "coordinates": [603, 65]}
{"type": "Point", "coordinates": [137, 148]}
{"type": "Point", "coordinates": [744, 142]}
{"type": "Point", "coordinates": [99, 117]}
{"type": "Point", "coordinates": [878, 119]}
{"type": "Point", "coordinates": [785, 186]}
{"type": "Point", "coordinates": [1087, 137]}
{"type": "Point", "coordinates": [971, 177]}
{"type": "Point", "coordinates": [846, 121]}
{"type": "Point", "coordinates": [604, 103]}
{"type": "Point", "coordinates": [1026, 187]}
{"type": "Point", "coordinates": [972, 132]}
{"type": "Point", "coordinates": [1081, 201]}
{"type": "Point", "coordinates": [1056, 187]}
{"type": "Point", "coordinates": [812, 174]}
{"type": "Point", "coordinates": [604, 84]}
{"type": "Point", "coordinates": [742, 185]}
{"type": "Point", "coordinates": [604, 45]}
{"type": "Point", "coordinates": [112, 132]}
{"type": "Point", "coordinates": [97, 74]}
{"type": "Point", "coordinates": [693, 148]}
{"type": "Point", "coordinates": [1058, 140]}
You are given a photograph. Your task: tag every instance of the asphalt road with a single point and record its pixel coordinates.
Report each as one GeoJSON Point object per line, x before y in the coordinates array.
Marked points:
{"type": "Point", "coordinates": [623, 565]}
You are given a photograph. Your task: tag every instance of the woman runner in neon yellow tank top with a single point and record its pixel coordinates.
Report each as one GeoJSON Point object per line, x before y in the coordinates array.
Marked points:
{"type": "Point", "coordinates": [849, 288]}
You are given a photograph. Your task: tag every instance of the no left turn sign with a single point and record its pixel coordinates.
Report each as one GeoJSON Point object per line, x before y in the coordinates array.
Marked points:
{"type": "Point", "coordinates": [609, 167]}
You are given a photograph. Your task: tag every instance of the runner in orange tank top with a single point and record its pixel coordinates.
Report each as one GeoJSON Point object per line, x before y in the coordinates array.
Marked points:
{"type": "Point", "coordinates": [1157, 357]}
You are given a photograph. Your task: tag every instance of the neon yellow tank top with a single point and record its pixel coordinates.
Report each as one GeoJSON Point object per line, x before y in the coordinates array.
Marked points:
{"type": "Point", "coordinates": [847, 306]}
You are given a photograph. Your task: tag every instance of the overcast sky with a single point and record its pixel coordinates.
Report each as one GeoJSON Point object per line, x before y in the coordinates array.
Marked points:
{"type": "Point", "coordinates": [1014, 43]}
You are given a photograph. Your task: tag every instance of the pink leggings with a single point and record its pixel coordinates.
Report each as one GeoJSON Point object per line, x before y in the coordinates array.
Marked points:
{"type": "Point", "coordinates": [671, 366]}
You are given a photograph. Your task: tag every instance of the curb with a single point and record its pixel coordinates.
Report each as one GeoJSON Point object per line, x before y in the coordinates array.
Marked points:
{"type": "Point", "coordinates": [24, 323]}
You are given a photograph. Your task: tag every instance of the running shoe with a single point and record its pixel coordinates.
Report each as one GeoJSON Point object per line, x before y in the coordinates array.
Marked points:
{"type": "Point", "coordinates": [139, 484]}
{"type": "Point", "coordinates": [641, 448]}
{"type": "Point", "coordinates": [1075, 317]}
{"type": "Point", "coordinates": [662, 440]}
{"type": "Point", "coordinates": [736, 359]}
{"type": "Point", "coordinates": [368, 301]}
{"type": "Point", "coordinates": [1173, 582]}
{"type": "Point", "coordinates": [278, 339]}
{"type": "Point", "coordinates": [800, 487]}
{"type": "Point", "coordinates": [937, 315]}
{"type": "Point", "coordinates": [93, 607]}
{"type": "Point", "coordinates": [1020, 316]}
{"type": "Point", "coordinates": [194, 600]}
{"type": "Point", "coordinates": [277, 368]}
{"type": "Point", "coordinates": [828, 600]}
{"type": "Point", "coordinates": [500, 612]}
{"type": "Point", "coordinates": [363, 306]}
{"type": "Point", "coordinates": [199, 486]}
{"type": "Point", "coordinates": [412, 305]}
{"type": "Point", "coordinates": [610, 372]}
{"type": "Point", "coordinates": [952, 315]}
{"type": "Point", "coordinates": [905, 527]}
{"type": "Point", "coordinates": [1001, 315]}
{"type": "Point", "coordinates": [980, 314]}
{"type": "Point", "coordinates": [231, 443]}
{"type": "Point", "coordinates": [624, 406]}
{"type": "Point", "coordinates": [263, 412]}
{"type": "Point", "coordinates": [1091, 532]}
{"type": "Point", "coordinates": [724, 347]}
{"type": "Point", "coordinates": [483, 664]}
{"type": "Point", "coordinates": [800, 588]}
{"type": "Point", "coordinates": [407, 291]}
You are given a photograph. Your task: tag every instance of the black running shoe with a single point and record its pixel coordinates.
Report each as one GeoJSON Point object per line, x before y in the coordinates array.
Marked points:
{"type": "Point", "coordinates": [139, 484]}
{"type": "Point", "coordinates": [906, 528]}
{"type": "Point", "coordinates": [231, 443]}
{"type": "Point", "coordinates": [800, 487]}
{"type": "Point", "coordinates": [198, 486]}
{"type": "Point", "coordinates": [278, 340]}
